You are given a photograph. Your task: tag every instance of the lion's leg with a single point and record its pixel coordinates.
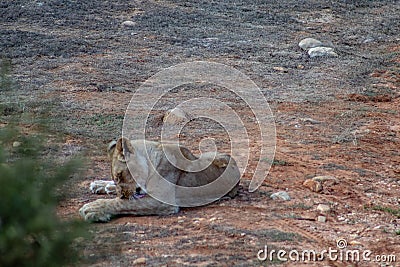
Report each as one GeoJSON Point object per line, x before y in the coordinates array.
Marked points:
{"type": "Point", "coordinates": [103, 187]}
{"type": "Point", "coordinates": [102, 210]}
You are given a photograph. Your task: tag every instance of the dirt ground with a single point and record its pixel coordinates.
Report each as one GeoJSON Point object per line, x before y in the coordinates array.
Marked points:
{"type": "Point", "coordinates": [335, 117]}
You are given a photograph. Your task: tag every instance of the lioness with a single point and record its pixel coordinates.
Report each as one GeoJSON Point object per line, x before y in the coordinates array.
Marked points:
{"type": "Point", "coordinates": [150, 160]}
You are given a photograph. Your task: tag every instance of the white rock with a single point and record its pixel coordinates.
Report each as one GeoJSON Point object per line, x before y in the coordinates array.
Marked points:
{"type": "Point", "coordinates": [16, 144]}
{"type": "Point", "coordinates": [323, 208]}
{"type": "Point", "coordinates": [139, 261]}
{"type": "Point", "coordinates": [310, 120]}
{"type": "Point", "coordinates": [322, 51]}
{"type": "Point", "coordinates": [281, 195]}
{"type": "Point", "coordinates": [308, 43]}
{"type": "Point", "coordinates": [176, 116]}
{"type": "Point", "coordinates": [129, 23]}
{"type": "Point", "coordinates": [321, 219]}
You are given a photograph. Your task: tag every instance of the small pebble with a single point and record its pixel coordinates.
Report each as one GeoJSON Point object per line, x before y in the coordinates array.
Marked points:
{"type": "Point", "coordinates": [323, 208]}
{"type": "Point", "coordinates": [129, 23]}
{"type": "Point", "coordinates": [139, 261]}
{"type": "Point", "coordinates": [310, 120]}
{"type": "Point", "coordinates": [355, 243]}
{"type": "Point", "coordinates": [16, 144]}
{"type": "Point", "coordinates": [321, 219]}
{"type": "Point", "coordinates": [280, 195]}
{"type": "Point", "coordinates": [280, 69]}
{"type": "Point", "coordinates": [314, 186]}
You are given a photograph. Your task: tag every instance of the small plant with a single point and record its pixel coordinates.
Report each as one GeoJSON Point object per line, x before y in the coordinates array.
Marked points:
{"type": "Point", "coordinates": [5, 80]}
{"type": "Point", "coordinates": [394, 212]}
{"type": "Point", "coordinates": [31, 233]}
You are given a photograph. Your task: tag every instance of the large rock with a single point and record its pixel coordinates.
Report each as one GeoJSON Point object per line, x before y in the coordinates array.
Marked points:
{"type": "Point", "coordinates": [176, 116]}
{"type": "Point", "coordinates": [322, 51]}
{"type": "Point", "coordinates": [308, 43]}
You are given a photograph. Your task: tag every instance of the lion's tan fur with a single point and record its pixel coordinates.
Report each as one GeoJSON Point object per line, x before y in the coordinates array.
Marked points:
{"type": "Point", "coordinates": [139, 157]}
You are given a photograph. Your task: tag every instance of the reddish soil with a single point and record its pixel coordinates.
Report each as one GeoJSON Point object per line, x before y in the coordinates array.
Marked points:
{"type": "Point", "coordinates": [334, 116]}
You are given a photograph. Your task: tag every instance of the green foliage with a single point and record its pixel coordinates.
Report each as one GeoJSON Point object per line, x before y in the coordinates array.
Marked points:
{"type": "Point", "coordinates": [395, 212]}
{"type": "Point", "coordinates": [31, 233]}
{"type": "Point", "coordinates": [5, 80]}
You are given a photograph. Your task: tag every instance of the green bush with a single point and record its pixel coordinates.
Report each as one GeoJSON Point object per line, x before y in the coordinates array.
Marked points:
{"type": "Point", "coordinates": [5, 80]}
{"type": "Point", "coordinates": [31, 234]}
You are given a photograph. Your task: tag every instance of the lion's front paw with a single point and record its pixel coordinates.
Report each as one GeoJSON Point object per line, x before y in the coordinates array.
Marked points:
{"type": "Point", "coordinates": [95, 211]}
{"type": "Point", "coordinates": [111, 189]}
{"type": "Point", "coordinates": [102, 187]}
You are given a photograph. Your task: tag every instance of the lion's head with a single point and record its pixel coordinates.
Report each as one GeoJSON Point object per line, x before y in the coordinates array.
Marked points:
{"type": "Point", "coordinates": [126, 185]}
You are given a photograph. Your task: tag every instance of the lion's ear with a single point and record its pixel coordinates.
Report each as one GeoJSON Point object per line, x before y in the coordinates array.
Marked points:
{"type": "Point", "coordinates": [118, 151]}
{"type": "Point", "coordinates": [127, 146]}
{"type": "Point", "coordinates": [111, 148]}
{"type": "Point", "coordinates": [122, 146]}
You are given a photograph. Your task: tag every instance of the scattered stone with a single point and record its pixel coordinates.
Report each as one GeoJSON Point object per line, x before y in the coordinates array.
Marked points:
{"type": "Point", "coordinates": [181, 219]}
{"type": "Point", "coordinates": [322, 51]}
{"type": "Point", "coordinates": [139, 261]}
{"type": "Point", "coordinates": [323, 208]}
{"type": "Point", "coordinates": [355, 243]}
{"type": "Point", "coordinates": [369, 40]}
{"type": "Point", "coordinates": [368, 98]}
{"type": "Point", "coordinates": [129, 23]}
{"type": "Point", "coordinates": [280, 195]}
{"type": "Point", "coordinates": [310, 120]}
{"type": "Point", "coordinates": [280, 69]}
{"type": "Point", "coordinates": [308, 43]}
{"type": "Point", "coordinates": [314, 186]}
{"type": "Point", "coordinates": [321, 219]}
{"type": "Point", "coordinates": [16, 144]}
{"type": "Point", "coordinates": [327, 180]}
